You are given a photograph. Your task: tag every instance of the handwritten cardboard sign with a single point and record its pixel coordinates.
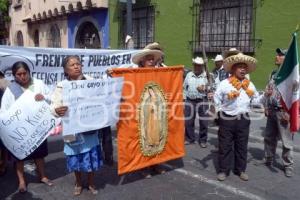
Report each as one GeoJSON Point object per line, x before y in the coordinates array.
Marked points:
{"type": "Point", "coordinates": [92, 104]}
{"type": "Point", "coordinates": [26, 125]}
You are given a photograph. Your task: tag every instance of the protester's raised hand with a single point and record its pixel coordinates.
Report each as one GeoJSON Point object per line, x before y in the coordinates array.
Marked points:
{"type": "Point", "coordinates": [39, 97]}
{"type": "Point", "coordinates": [61, 111]}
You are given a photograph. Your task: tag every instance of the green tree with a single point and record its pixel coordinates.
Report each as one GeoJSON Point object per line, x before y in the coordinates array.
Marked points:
{"type": "Point", "coordinates": [4, 18]}
{"type": "Point", "coordinates": [4, 6]}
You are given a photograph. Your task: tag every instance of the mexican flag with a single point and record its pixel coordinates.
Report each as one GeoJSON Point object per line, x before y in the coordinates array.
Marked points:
{"type": "Point", "coordinates": [287, 81]}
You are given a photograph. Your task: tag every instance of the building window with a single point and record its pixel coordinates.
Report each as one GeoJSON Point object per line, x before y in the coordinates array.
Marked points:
{"type": "Point", "coordinates": [54, 37]}
{"type": "Point", "coordinates": [18, 4]}
{"type": "Point", "coordinates": [36, 38]}
{"type": "Point", "coordinates": [222, 24]}
{"type": "Point", "coordinates": [142, 26]}
{"type": "Point", "coordinates": [20, 41]}
{"type": "Point", "coordinates": [87, 36]}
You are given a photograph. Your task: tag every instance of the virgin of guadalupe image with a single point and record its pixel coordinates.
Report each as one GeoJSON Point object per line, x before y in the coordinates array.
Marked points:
{"type": "Point", "coordinates": [153, 121]}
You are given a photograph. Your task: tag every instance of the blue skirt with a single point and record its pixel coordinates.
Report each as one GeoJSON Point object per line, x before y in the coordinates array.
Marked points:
{"type": "Point", "coordinates": [85, 162]}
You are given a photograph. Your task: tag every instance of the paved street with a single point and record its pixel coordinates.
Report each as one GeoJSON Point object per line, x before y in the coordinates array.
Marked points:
{"type": "Point", "coordinates": [193, 177]}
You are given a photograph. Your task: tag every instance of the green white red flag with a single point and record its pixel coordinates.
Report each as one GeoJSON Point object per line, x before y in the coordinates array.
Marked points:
{"type": "Point", "coordinates": [287, 82]}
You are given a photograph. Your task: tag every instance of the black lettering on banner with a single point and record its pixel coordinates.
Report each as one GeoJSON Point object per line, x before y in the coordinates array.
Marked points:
{"type": "Point", "coordinates": [81, 58]}
{"type": "Point", "coordinates": [47, 77]}
{"type": "Point", "coordinates": [91, 59]}
{"type": "Point", "coordinates": [45, 60]}
{"type": "Point", "coordinates": [51, 60]}
{"type": "Point", "coordinates": [126, 59]}
{"type": "Point", "coordinates": [38, 59]}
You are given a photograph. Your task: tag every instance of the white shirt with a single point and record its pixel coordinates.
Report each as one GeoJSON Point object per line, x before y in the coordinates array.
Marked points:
{"type": "Point", "coordinates": [191, 82]}
{"type": "Point", "coordinates": [38, 87]}
{"type": "Point", "coordinates": [236, 106]}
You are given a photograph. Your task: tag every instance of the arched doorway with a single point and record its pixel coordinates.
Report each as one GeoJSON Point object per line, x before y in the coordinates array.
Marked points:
{"type": "Point", "coordinates": [20, 41]}
{"type": "Point", "coordinates": [87, 36]}
{"type": "Point", "coordinates": [36, 38]}
{"type": "Point", "coordinates": [54, 37]}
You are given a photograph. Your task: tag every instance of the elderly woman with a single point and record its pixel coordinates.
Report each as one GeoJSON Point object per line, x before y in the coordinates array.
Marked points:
{"type": "Point", "coordinates": [83, 151]}
{"type": "Point", "coordinates": [233, 98]}
{"type": "Point", "coordinates": [23, 81]}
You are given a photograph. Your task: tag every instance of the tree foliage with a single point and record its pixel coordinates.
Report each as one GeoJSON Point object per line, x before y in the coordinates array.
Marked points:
{"type": "Point", "coordinates": [4, 6]}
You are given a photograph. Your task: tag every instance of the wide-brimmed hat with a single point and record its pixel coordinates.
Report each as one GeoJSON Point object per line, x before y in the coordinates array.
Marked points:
{"type": "Point", "coordinates": [198, 61]}
{"type": "Point", "coordinates": [240, 58]}
{"type": "Point", "coordinates": [154, 46]}
{"type": "Point", "coordinates": [218, 58]}
{"type": "Point", "coordinates": [230, 52]}
{"type": "Point", "coordinates": [137, 58]}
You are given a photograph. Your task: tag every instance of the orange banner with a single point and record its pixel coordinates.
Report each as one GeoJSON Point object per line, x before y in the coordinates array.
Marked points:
{"type": "Point", "coordinates": [151, 125]}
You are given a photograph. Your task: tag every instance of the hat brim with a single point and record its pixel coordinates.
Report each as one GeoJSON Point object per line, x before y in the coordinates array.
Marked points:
{"type": "Point", "coordinates": [137, 58]}
{"type": "Point", "coordinates": [232, 60]}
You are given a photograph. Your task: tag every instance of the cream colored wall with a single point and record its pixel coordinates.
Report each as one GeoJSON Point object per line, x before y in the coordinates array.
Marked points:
{"type": "Point", "coordinates": [17, 24]}
{"type": "Point", "coordinates": [44, 29]}
{"type": "Point", "coordinates": [39, 6]}
{"type": "Point", "coordinates": [31, 7]}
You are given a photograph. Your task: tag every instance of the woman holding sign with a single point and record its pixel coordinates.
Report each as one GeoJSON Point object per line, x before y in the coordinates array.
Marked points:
{"type": "Point", "coordinates": [23, 82]}
{"type": "Point", "coordinates": [82, 149]}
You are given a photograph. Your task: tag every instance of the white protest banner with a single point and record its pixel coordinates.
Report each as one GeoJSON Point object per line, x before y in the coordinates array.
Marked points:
{"type": "Point", "coordinates": [46, 63]}
{"type": "Point", "coordinates": [92, 104]}
{"type": "Point", "coordinates": [26, 125]}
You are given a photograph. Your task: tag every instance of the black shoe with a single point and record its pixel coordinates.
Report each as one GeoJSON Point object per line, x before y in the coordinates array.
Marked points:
{"type": "Point", "coordinates": [109, 161]}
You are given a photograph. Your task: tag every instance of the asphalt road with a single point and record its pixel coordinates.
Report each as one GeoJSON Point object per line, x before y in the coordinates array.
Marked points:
{"type": "Point", "coordinates": [193, 177]}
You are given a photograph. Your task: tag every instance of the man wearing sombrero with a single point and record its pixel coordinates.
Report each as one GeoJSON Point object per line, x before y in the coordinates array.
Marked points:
{"type": "Point", "coordinates": [196, 93]}
{"type": "Point", "coordinates": [233, 98]}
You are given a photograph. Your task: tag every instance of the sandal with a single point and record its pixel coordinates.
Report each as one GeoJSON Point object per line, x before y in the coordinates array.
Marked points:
{"type": "Point", "coordinates": [46, 181]}
{"type": "Point", "coordinates": [77, 190]}
{"type": "Point", "coordinates": [93, 189]}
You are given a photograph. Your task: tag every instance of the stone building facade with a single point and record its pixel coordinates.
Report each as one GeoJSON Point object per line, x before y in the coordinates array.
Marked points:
{"type": "Point", "coordinates": [59, 23]}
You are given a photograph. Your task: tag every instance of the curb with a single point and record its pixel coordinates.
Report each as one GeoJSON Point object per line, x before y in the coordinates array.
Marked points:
{"type": "Point", "coordinates": [253, 138]}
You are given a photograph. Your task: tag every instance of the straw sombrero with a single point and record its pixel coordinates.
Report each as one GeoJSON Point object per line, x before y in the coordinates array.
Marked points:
{"type": "Point", "coordinates": [154, 46]}
{"type": "Point", "coordinates": [230, 52]}
{"type": "Point", "coordinates": [137, 58]}
{"type": "Point", "coordinates": [240, 58]}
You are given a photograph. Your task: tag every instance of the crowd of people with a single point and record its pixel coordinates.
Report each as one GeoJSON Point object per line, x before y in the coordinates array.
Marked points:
{"type": "Point", "coordinates": [226, 92]}
{"type": "Point", "coordinates": [233, 94]}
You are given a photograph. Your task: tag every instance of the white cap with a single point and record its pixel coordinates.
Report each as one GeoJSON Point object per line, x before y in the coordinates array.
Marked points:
{"type": "Point", "coordinates": [198, 60]}
{"type": "Point", "coordinates": [218, 58]}
{"type": "Point", "coordinates": [128, 37]}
